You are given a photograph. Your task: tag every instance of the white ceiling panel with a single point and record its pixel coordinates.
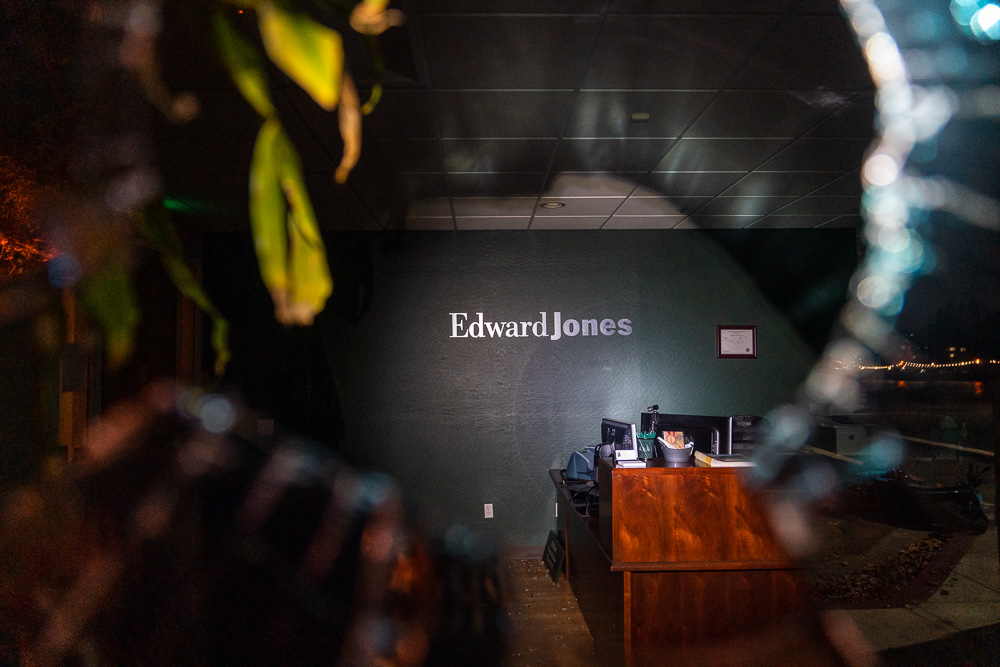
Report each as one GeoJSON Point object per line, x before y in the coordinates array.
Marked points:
{"type": "Point", "coordinates": [493, 206]}
{"type": "Point", "coordinates": [579, 206]}
{"type": "Point", "coordinates": [644, 221]}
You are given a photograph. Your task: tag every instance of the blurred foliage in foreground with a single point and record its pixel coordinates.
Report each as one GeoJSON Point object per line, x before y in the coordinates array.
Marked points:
{"type": "Point", "coordinates": [102, 57]}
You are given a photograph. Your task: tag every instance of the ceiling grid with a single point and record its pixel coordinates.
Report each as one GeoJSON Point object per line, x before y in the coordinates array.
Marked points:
{"type": "Point", "coordinates": [629, 113]}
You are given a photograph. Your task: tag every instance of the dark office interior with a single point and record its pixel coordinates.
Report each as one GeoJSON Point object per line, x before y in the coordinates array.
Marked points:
{"type": "Point", "coordinates": [558, 209]}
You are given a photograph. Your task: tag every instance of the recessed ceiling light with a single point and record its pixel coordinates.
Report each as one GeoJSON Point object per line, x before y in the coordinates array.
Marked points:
{"type": "Point", "coordinates": [638, 117]}
{"type": "Point", "coordinates": [552, 204]}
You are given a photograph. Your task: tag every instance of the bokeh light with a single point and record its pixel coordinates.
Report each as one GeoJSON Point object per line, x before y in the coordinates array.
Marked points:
{"type": "Point", "coordinates": [64, 270]}
{"type": "Point", "coordinates": [216, 413]}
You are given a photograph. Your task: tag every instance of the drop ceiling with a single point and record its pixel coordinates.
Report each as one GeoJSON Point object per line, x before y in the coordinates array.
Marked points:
{"type": "Point", "coordinates": [660, 114]}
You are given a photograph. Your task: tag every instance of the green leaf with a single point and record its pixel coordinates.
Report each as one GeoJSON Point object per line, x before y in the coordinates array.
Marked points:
{"type": "Point", "coordinates": [245, 65]}
{"type": "Point", "coordinates": [290, 250]}
{"type": "Point", "coordinates": [373, 99]}
{"type": "Point", "coordinates": [267, 212]}
{"type": "Point", "coordinates": [309, 274]}
{"type": "Point", "coordinates": [311, 54]}
{"type": "Point", "coordinates": [109, 298]}
{"type": "Point", "coordinates": [156, 226]}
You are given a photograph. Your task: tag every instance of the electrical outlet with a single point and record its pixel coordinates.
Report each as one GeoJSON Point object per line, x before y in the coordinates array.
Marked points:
{"type": "Point", "coordinates": [488, 510]}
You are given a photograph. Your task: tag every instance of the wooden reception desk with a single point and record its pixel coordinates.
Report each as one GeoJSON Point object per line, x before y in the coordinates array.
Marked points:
{"type": "Point", "coordinates": [678, 558]}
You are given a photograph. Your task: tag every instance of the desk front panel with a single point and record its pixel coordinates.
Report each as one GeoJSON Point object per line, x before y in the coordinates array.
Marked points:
{"type": "Point", "coordinates": [695, 518]}
{"type": "Point", "coordinates": [691, 608]}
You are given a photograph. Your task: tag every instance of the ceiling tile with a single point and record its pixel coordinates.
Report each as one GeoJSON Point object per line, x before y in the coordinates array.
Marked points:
{"type": "Point", "coordinates": [430, 208]}
{"type": "Point", "coordinates": [394, 191]}
{"type": "Point", "coordinates": [493, 206]}
{"type": "Point", "coordinates": [580, 206]}
{"type": "Point", "coordinates": [607, 113]}
{"type": "Point", "coordinates": [848, 185]}
{"type": "Point", "coordinates": [430, 224]}
{"type": "Point", "coordinates": [687, 223]}
{"type": "Point", "coordinates": [609, 154]}
{"type": "Point", "coordinates": [819, 205]}
{"type": "Point", "coordinates": [640, 205]}
{"type": "Point", "coordinates": [399, 155]}
{"type": "Point", "coordinates": [644, 221]}
{"type": "Point", "coordinates": [416, 186]}
{"type": "Point", "coordinates": [568, 222]}
{"type": "Point", "coordinates": [506, 51]}
{"type": "Point", "coordinates": [507, 184]}
{"type": "Point", "coordinates": [337, 220]}
{"type": "Point", "coordinates": [790, 183]}
{"type": "Point", "coordinates": [339, 207]}
{"type": "Point", "coordinates": [503, 79]}
{"type": "Point", "coordinates": [764, 113]}
{"type": "Point", "coordinates": [808, 52]}
{"type": "Point", "coordinates": [855, 119]}
{"type": "Point", "coordinates": [513, 113]}
{"type": "Point", "coordinates": [696, 52]}
{"type": "Point", "coordinates": [402, 114]}
{"type": "Point", "coordinates": [597, 184]}
{"type": "Point", "coordinates": [719, 154]}
{"type": "Point", "coordinates": [486, 222]}
{"type": "Point", "coordinates": [708, 183]}
{"type": "Point", "coordinates": [792, 221]}
{"type": "Point", "coordinates": [700, 6]}
{"type": "Point", "coordinates": [845, 222]}
{"type": "Point", "coordinates": [818, 155]}
{"type": "Point", "coordinates": [743, 205]}
{"type": "Point", "coordinates": [483, 155]}
{"type": "Point", "coordinates": [814, 7]}
{"type": "Point", "coordinates": [723, 221]}
{"type": "Point", "coordinates": [344, 211]}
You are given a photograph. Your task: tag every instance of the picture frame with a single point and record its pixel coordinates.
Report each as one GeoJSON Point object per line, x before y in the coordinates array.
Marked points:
{"type": "Point", "coordinates": [736, 341]}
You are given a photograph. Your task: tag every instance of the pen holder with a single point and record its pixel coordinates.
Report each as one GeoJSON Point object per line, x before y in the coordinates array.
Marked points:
{"type": "Point", "coordinates": [646, 447]}
{"type": "Point", "coordinates": [672, 455]}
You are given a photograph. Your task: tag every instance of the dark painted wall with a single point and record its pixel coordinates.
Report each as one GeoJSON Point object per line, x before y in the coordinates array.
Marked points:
{"type": "Point", "coordinates": [463, 421]}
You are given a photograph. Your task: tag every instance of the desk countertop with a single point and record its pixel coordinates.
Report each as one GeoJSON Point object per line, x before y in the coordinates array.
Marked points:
{"type": "Point", "coordinates": [661, 465]}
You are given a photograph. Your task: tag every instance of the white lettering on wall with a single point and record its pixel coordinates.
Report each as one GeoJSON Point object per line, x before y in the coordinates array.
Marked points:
{"type": "Point", "coordinates": [479, 327]}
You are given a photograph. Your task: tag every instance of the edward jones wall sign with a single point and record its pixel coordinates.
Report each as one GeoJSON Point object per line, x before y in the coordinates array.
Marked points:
{"type": "Point", "coordinates": [463, 327]}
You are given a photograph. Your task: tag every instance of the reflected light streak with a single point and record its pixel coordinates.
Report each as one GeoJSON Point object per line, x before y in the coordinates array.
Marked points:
{"type": "Point", "coordinates": [908, 118]}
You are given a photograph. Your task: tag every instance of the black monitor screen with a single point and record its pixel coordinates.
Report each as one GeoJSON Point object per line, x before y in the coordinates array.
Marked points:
{"type": "Point", "coordinates": [712, 435]}
{"type": "Point", "coordinates": [618, 434]}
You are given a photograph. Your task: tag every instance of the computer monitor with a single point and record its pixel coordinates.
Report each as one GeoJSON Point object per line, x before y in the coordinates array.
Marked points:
{"type": "Point", "coordinates": [621, 437]}
{"type": "Point", "coordinates": [708, 434]}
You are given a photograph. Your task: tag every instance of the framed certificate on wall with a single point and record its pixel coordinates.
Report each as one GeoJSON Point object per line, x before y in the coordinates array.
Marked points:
{"type": "Point", "coordinates": [736, 341]}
